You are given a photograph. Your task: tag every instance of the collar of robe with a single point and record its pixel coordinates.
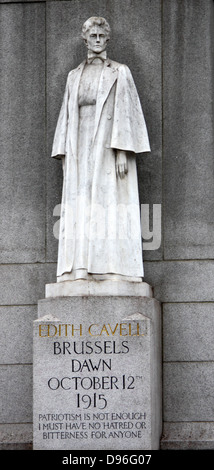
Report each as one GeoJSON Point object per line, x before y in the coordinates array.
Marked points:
{"type": "Point", "coordinates": [102, 56]}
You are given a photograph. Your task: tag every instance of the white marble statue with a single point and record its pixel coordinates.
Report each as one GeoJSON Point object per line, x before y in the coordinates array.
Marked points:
{"type": "Point", "coordinates": [100, 130]}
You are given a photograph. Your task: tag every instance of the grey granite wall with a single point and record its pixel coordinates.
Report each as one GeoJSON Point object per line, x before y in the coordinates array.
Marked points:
{"type": "Point", "coordinates": [185, 282]}
{"type": "Point", "coordinates": [169, 47]}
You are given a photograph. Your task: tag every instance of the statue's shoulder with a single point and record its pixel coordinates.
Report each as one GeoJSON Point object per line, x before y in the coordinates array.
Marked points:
{"type": "Point", "coordinates": [118, 66]}
{"type": "Point", "coordinates": [115, 66]}
{"type": "Point", "coordinates": [73, 72]}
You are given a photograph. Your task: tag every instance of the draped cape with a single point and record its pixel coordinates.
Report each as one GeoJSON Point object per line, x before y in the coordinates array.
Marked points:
{"type": "Point", "coordinates": [114, 229]}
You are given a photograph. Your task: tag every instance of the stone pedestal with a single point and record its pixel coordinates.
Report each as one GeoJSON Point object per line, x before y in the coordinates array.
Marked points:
{"type": "Point", "coordinates": [97, 367]}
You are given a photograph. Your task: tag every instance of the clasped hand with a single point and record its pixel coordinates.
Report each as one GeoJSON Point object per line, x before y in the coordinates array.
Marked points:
{"type": "Point", "coordinates": [121, 164]}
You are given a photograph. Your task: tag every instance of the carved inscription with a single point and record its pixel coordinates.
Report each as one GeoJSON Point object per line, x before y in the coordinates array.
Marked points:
{"type": "Point", "coordinates": [94, 370]}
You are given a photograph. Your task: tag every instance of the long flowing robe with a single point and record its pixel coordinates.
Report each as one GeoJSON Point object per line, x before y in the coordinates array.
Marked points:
{"type": "Point", "coordinates": [111, 212]}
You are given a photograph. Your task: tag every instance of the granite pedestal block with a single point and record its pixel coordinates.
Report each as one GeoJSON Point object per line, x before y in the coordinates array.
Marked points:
{"type": "Point", "coordinates": [97, 369]}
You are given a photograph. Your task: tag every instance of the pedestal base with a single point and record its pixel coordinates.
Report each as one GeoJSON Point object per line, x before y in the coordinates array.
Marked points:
{"type": "Point", "coordinates": [97, 372]}
{"type": "Point", "coordinates": [98, 288]}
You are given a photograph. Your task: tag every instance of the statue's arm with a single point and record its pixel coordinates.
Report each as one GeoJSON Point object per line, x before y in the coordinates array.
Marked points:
{"type": "Point", "coordinates": [59, 141]}
{"type": "Point", "coordinates": [63, 162]}
{"type": "Point", "coordinates": [129, 130]}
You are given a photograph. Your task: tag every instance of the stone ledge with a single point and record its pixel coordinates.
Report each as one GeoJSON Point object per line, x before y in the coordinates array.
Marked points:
{"type": "Point", "coordinates": [16, 436]}
{"type": "Point", "coordinates": [188, 436]}
{"type": "Point", "coordinates": [98, 288]}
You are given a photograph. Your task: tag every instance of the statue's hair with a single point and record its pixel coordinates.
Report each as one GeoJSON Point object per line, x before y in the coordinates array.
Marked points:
{"type": "Point", "coordinates": [95, 20]}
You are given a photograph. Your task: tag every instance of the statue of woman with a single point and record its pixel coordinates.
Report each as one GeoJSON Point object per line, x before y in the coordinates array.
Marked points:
{"type": "Point", "coordinates": [100, 130]}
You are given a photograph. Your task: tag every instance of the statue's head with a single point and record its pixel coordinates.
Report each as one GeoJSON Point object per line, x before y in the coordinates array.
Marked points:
{"type": "Point", "coordinates": [96, 33]}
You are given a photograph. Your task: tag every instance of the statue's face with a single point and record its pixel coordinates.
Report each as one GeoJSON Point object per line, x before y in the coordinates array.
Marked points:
{"type": "Point", "coordinates": [96, 39]}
